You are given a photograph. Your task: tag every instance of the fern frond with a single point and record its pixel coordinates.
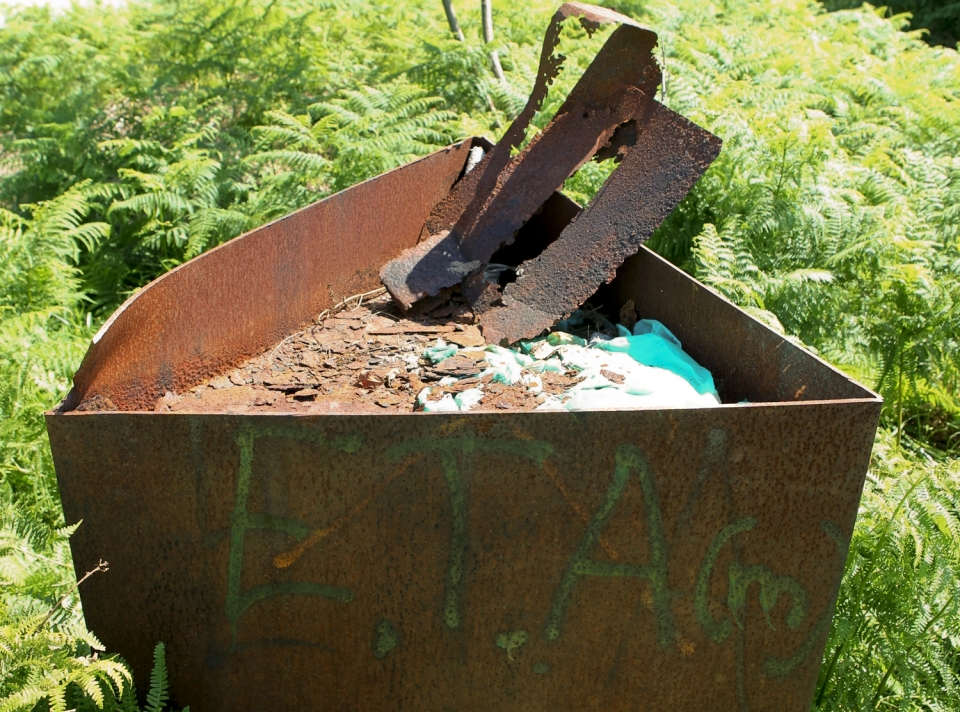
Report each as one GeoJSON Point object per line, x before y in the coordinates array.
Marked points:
{"type": "Point", "coordinates": [157, 696]}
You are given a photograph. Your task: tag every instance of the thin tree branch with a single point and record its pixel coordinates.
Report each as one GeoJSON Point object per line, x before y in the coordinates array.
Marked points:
{"type": "Point", "coordinates": [487, 8]}
{"type": "Point", "coordinates": [452, 19]}
{"type": "Point", "coordinates": [102, 566]}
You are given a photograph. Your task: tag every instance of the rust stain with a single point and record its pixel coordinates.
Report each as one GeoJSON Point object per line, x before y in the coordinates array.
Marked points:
{"type": "Point", "coordinates": [290, 557]}
{"type": "Point", "coordinates": [554, 474]}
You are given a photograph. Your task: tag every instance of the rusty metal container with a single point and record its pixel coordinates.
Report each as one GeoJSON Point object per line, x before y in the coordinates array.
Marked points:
{"type": "Point", "coordinates": [679, 559]}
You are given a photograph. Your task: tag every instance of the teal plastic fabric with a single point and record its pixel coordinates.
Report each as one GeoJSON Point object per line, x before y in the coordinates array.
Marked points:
{"type": "Point", "coordinates": [652, 371]}
{"type": "Point", "coordinates": [652, 326]}
{"type": "Point", "coordinates": [440, 351]}
{"type": "Point", "coordinates": [653, 344]}
{"type": "Point", "coordinates": [505, 365]}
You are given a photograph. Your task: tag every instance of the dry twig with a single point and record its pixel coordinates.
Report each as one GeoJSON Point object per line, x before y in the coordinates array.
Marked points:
{"type": "Point", "coordinates": [102, 566]}
{"type": "Point", "coordinates": [330, 312]}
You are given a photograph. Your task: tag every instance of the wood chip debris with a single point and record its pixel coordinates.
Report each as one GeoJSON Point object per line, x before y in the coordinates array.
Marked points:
{"type": "Point", "coordinates": [413, 328]}
{"type": "Point", "coordinates": [362, 360]}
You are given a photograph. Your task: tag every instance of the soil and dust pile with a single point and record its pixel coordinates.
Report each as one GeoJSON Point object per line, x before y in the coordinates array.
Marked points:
{"type": "Point", "coordinates": [370, 358]}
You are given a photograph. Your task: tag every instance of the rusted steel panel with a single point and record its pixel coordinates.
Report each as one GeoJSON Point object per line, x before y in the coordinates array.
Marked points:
{"type": "Point", "coordinates": [230, 303]}
{"type": "Point", "coordinates": [505, 190]}
{"type": "Point", "coordinates": [663, 559]}
{"type": "Point", "coordinates": [670, 155]}
{"type": "Point", "coordinates": [679, 559]}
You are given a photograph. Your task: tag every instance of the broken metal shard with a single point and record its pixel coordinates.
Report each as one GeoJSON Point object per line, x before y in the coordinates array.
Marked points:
{"type": "Point", "coordinates": [670, 155]}
{"type": "Point", "coordinates": [611, 112]}
{"type": "Point", "coordinates": [485, 210]}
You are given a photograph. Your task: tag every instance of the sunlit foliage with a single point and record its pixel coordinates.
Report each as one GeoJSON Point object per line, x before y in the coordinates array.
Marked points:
{"type": "Point", "coordinates": [134, 138]}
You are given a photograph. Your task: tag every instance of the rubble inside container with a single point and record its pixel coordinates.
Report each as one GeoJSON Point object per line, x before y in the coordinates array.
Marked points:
{"type": "Point", "coordinates": [371, 359]}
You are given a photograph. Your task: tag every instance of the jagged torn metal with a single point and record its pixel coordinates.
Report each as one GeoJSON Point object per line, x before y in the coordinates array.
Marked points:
{"type": "Point", "coordinates": [670, 155]}
{"type": "Point", "coordinates": [489, 205]}
{"type": "Point", "coordinates": [611, 112]}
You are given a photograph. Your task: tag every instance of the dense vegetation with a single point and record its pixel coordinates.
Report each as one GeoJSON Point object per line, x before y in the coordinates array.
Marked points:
{"type": "Point", "coordinates": [133, 139]}
{"type": "Point", "coordinates": [939, 19]}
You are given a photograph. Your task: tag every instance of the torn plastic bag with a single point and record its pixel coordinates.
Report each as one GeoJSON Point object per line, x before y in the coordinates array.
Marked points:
{"type": "Point", "coordinates": [653, 344]}
{"type": "Point", "coordinates": [614, 379]}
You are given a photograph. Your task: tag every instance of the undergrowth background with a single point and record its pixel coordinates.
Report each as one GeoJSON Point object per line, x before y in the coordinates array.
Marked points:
{"type": "Point", "coordinates": [939, 19]}
{"type": "Point", "coordinates": [134, 138]}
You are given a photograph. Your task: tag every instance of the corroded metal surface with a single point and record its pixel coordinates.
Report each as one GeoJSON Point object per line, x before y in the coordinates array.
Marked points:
{"type": "Point", "coordinates": [686, 560]}
{"type": "Point", "coordinates": [484, 212]}
{"type": "Point", "coordinates": [652, 559]}
{"type": "Point", "coordinates": [668, 157]}
{"type": "Point", "coordinates": [748, 360]}
{"type": "Point", "coordinates": [232, 302]}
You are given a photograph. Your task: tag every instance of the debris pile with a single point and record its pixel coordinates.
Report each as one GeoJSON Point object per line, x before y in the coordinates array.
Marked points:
{"type": "Point", "coordinates": [370, 359]}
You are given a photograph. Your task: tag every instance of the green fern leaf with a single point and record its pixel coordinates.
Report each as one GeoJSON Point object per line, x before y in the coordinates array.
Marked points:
{"type": "Point", "coordinates": [157, 696]}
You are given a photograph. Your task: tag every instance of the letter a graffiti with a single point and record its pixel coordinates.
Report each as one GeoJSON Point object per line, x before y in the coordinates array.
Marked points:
{"type": "Point", "coordinates": [628, 459]}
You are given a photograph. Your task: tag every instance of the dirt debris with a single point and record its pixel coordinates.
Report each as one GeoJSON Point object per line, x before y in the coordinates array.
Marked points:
{"type": "Point", "coordinates": [364, 360]}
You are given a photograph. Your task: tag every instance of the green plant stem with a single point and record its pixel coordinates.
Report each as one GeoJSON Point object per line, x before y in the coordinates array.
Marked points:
{"type": "Point", "coordinates": [831, 666]}
{"type": "Point", "coordinates": [900, 396]}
